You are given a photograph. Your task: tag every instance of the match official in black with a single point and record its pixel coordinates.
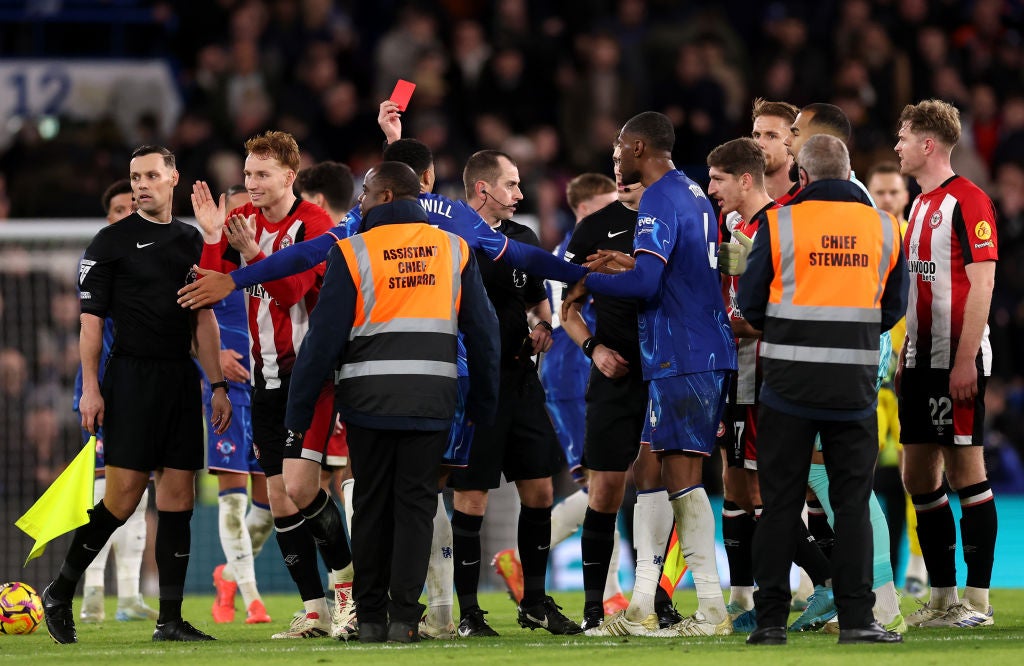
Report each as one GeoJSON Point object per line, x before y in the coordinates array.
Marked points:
{"type": "Point", "coordinates": [393, 301]}
{"type": "Point", "coordinates": [825, 278]}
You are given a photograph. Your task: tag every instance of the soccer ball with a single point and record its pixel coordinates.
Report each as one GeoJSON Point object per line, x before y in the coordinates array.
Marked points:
{"type": "Point", "coordinates": [21, 609]}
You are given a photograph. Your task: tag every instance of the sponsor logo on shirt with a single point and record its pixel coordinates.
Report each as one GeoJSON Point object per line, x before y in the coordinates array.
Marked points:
{"type": "Point", "coordinates": [645, 225]}
{"type": "Point", "coordinates": [983, 231]}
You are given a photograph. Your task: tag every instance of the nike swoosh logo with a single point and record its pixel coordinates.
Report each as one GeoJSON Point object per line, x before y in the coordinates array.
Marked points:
{"type": "Point", "coordinates": [91, 550]}
{"type": "Point", "coordinates": [590, 564]}
{"type": "Point", "coordinates": [469, 564]}
{"type": "Point", "coordinates": [543, 623]}
{"type": "Point", "coordinates": [617, 233]}
{"type": "Point", "coordinates": [142, 245]}
{"type": "Point", "coordinates": [543, 547]}
{"type": "Point", "coordinates": [177, 554]}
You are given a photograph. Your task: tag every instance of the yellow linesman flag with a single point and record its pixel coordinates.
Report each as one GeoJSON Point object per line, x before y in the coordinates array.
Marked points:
{"type": "Point", "coordinates": [674, 566]}
{"type": "Point", "coordinates": [65, 504]}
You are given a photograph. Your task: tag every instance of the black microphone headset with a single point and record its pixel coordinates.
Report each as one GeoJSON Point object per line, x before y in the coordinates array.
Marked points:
{"type": "Point", "coordinates": [483, 190]}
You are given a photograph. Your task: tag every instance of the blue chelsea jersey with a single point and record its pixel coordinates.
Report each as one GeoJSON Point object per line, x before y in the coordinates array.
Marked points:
{"type": "Point", "coordinates": [564, 369]}
{"type": "Point", "coordinates": [683, 328]}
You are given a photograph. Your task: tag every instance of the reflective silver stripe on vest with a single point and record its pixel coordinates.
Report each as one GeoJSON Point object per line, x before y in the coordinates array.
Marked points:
{"type": "Point", "coordinates": [787, 254]}
{"type": "Point", "coordinates": [403, 367]}
{"type": "Point", "coordinates": [399, 324]}
{"type": "Point", "coordinates": [365, 267]}
{"type": "Point", "coordinates": [886, 259]}
{"type": "Point", "coordinates": [800, 353]}
{"type": "Point", "coordinates": [823, 313]}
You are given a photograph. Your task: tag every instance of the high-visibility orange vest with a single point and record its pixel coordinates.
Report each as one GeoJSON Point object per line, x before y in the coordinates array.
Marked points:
{"type": "Point", "coordinates": [823, 319]}
{"type": "Point", "coordinates": [401, 355]}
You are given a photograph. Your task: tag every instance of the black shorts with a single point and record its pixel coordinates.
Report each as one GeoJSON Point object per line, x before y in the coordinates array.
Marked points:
{"type": "Point", "coordinates": [153, 414]}
{"type": "Point", "coordinates": [928, 415]}
{"type": "Point", "coordinates": [521, 444]}
{"type": "Point", "coordinates": [268, 432]}
{"type": "Point", "coordinates": [616, 409]}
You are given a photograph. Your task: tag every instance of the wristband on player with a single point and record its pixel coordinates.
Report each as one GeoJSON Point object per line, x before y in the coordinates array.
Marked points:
{"type": "Point", "coordinates": [216, 385]}
{"type": "Point", "coordinates": [546, 325]}
{"type": "Point", "coordinates": [588, 347]}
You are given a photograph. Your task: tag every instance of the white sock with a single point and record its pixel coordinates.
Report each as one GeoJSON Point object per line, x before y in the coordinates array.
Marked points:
{"type": "Point", "coordinates": [887, 603]}
{"type": "Point", "coordinates": [236, 543]}
{"type": "Point", "coordinates": [318, 606]}
{"type": "Point", "coordinates": [944, 597]}
{"type": "Point", "coordinates": [977, 598]}
{"type": "Point", "coordinates": [441, 569]}
{"type": "Point", "coordinates": [916, 568]}
{"type": "Point", "coordinates": [567, 516]}
{"type": "Point", "coordinates": [94, 573]}
{"type": "Point", "coordinates": [652, 526]}
{"type": "Point", "coordinates": [695, 527]}
{"type": "Point", "coordinates": [611, 584]}
{"type": "Point", "coordinates": [260, 523]}
{"type": "Point", "coordinates": [742, 595]}
{"type": "Point", "coordinates": [129, 543]}
{"type": "Point", "coordinates": [346, 493]}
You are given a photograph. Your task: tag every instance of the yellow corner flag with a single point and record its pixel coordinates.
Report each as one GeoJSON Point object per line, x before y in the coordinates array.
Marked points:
{"type": "Point", "coordinates": [65, 504]}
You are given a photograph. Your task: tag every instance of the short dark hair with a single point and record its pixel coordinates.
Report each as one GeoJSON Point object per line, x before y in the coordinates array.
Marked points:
{"type": "Point", "coordinates": [483, 165]}
{"type": "Point", "coordinates": [150, 149]}
{"type": "Point", "coordinates": [399, 178]}
{"type": "Point", "coordinates": [738, 157]}
{"type": "Point", "coordinates": [654, 128]}
{"type": "Point", "coordinates": [122, 186]}
{"type": "Point", "coordinates": [235, 189]}
{"type": "Point", "coordinates": [412, 152]}
{"type": "Point", "coordinates": [830, 118]}
{"type": "Point", "coordinates": [331, 179]}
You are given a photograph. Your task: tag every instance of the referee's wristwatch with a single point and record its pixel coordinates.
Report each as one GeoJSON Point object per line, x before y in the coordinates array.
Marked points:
{"type": "Point", "coordinates": [221, 384]}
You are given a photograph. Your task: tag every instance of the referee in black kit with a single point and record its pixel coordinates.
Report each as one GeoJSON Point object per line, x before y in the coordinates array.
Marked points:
{"type": "Point", "coordinates": [150, 404]}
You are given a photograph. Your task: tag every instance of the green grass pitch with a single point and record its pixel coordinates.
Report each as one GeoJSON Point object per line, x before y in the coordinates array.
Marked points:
{"type": "Point", "coordinates": [129, 643]}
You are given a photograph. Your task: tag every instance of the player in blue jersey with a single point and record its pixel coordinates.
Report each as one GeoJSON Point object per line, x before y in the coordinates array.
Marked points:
{"type": "Point", "coordinates": [686, 342]}
{"type": "Point", "coordinates": [243, 529]}
{"type": "Point", "coordinates": [129, 540]}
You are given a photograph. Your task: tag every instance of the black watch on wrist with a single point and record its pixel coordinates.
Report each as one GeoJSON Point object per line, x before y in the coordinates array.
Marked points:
{"type": "Point", "coordinates": [546, 325]}
{"type": "Point", "coordinates": [216, 385]}
{"type": "Point", "coordinates": [588, 347]}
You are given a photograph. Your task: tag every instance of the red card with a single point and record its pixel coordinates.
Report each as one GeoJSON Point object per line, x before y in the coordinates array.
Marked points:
{"type": "Point", "coordinates": [402, 93]}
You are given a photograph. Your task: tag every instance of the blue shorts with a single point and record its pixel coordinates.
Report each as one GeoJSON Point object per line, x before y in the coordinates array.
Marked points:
{"type": "Point", "coordinates": [460, 437]}
{"type": "Point", "coordinates": [569, 419]}
{"type": "Point", "coordinates": [683, 412]}
{"type": "Point", "coordinates": [232, 451]}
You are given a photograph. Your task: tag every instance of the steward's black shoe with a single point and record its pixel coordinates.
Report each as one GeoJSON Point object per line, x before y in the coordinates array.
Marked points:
{"type": "Point", "coordinates": [403, 632]}
{"type": "Point", "coordinates": [547, 615]}
{"type": "Point", "coordinates": [60, 619]}
{"type": "Point", "coordinates": [873, 633]}
{"type": "Point", "coordinates": [373, 632]}
{"type": "Point", "coordinates": [667, 614]}
{"type": "Point", "coordinates": [179, 630]}
{"type": "Point", "coordinates": [473, 624]}
{"type": "Point", "coordinates": [767, 636]}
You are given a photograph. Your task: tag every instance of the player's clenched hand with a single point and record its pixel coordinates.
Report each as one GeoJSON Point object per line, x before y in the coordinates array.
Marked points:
{"type": "Point", "coordinates": [221, 417]}
{"type": "Point", "coordinates": [609, 362]}
{"type": "Point", "coordinates": [213, 287]}
{"type": "Point", "coordinates": [541, 337]}
{"type": "Point", "coordinates": [610, 261]}
{"type": "Point", "coordinates": [232, 369]}
{"type": "Point", "coordinates": [91, 407]}
{"type": "Point", "coordinates": [209, 212]}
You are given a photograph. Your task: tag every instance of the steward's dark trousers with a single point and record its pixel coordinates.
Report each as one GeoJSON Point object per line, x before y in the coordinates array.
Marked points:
{"type": "Point", "coordinates": [784, 447]}
{"type": "Point", "coordinates": [394, 501]}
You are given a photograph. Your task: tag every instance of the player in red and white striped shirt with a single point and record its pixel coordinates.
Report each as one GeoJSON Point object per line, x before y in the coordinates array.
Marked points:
{"type": "Point", "coordinates": [278, 314]}
{"type": "Point", "coordinates": [951, 252]}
